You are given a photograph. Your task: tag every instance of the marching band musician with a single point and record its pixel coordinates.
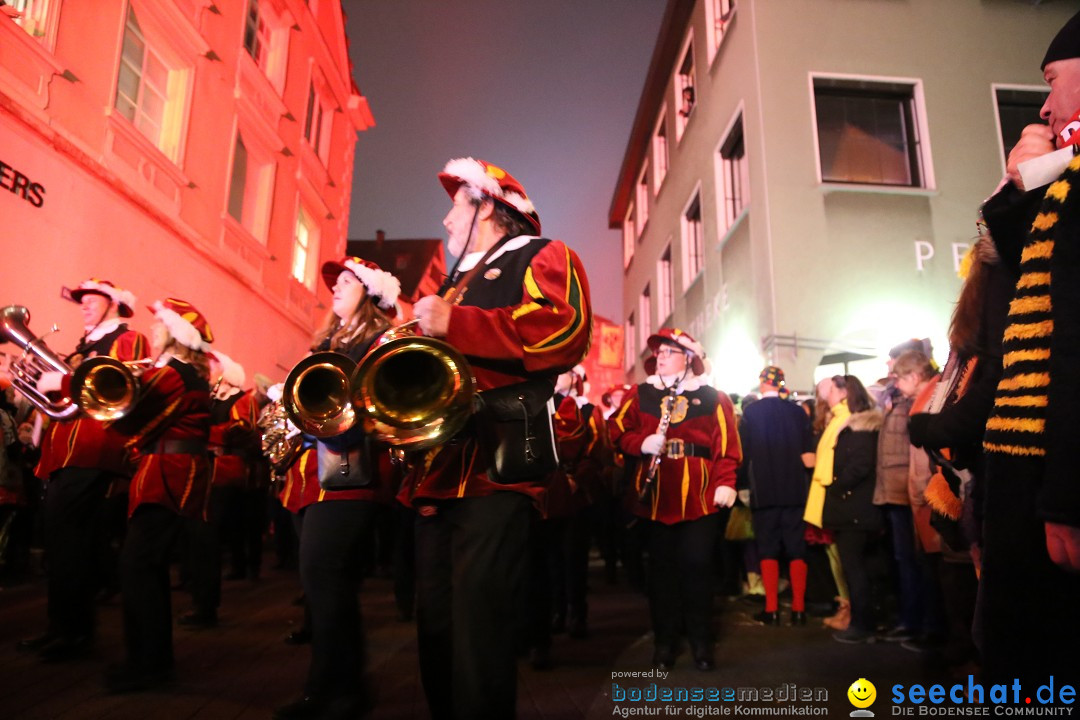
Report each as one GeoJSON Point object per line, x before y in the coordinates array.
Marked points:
{"type": "Point", "coordinates": [699, 455]}
{"type": "Point", "coordinates": [337, 525]}
{"type": "Point", "coordinates": [168, 427]}
{"type": "Point", "coordinates": [83, 465]}
{"type": "Point", "coordinates": [522, 313]}
{"type": "Point", "coordinates": [232, 436]}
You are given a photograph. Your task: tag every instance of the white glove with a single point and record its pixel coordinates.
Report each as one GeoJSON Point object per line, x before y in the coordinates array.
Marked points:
{"type": "Point", "coordinates": [724, 497]}
{"type": "Point", "coordinates": [652, 444]}
{"type": "Point", "coordinates": [49, 382]}
{"type": "Point", "coordinates": [744, 496]}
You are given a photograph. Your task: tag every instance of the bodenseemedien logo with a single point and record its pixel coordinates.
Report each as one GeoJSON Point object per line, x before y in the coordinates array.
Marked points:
{"type": "Point", "coordinates": [862, 694]}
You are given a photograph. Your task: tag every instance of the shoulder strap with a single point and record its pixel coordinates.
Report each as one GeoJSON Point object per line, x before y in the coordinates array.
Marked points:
{"type": "Point", "coordinates": [453, 295]}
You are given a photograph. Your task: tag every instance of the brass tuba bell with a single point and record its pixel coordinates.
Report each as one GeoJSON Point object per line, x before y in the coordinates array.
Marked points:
{"type": "Point", "coordinates": [413, 392]}
{"type": "Point", "coordinates": [106, 388]}
{"type": "Point", "coordinates": [317, 395]}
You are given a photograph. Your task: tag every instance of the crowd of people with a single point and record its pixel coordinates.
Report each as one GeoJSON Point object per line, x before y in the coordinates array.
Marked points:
{"type": "Point", "coordinates": [937, 507]}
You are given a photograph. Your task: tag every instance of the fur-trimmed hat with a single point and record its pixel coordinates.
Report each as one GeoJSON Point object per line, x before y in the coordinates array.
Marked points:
{"type": "Point", "coordinates": [184, 322]}
{"type": "Point", "coordinates": [606, 398]}
{"type": "Point", "coordinates": [485, 179]}
{"type": "Point", "coordinates": [676, 337]}
{"type": "Point", "coordinates": [232, 372]}
{"type": "Point", "coordinates": [124, 299]}
{"type": "Point", "coordinates": [379, 283]}
{"type": "Point", "coordinates": [1066, 44]}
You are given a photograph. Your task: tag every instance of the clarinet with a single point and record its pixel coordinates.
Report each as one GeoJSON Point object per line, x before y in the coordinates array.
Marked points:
{"type": "Point", "coordinates": [654, 465]}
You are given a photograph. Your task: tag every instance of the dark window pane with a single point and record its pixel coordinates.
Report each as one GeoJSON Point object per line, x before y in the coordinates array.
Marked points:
{"type": "Point", "coordinates": [239, 181]}
{"type": "Point", "coordinates": [1016, 110]}
{"type": "Point", "coordinates": [866, 137]}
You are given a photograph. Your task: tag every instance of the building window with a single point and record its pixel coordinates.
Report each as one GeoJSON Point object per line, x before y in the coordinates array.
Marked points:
{"type": "Point", "coordinates": [685, 90]}
{"type": "Point", "coordinates": [719, 14]}
{"type": "Point", "coordinates": [665, 298]}
{"type": "Point", "coordinates": [1016, 109]}
{"type": "Point", "coordinates": [257, 35]}
{"type": "Point", "coordinates": [305, 250]}
{"type": "Point", "coordinates": [249, 189]}
{"type": "Point", "coordinates": [692, 241]}
{"type": "Point", "coordinates": [629, 235]}
{"type": "Point", "coordinates": [629, 355]}
{"type": "Point", "coordinates": [144, 86]}
{"type": "Point", "coordinates": [644, 315]}
{"type": "Point", "coordinates": [642, 200]}
{"type": "Point", "coordinates": [660, 153]}
{"type": "Point", "coordinates": [33, 16]}
{"type": "Point", "coordinates": [734, 174]}
{"type": "Point", "coordinates": [869, 132]}
{"type": "Point", "coordinates": [318, 124]}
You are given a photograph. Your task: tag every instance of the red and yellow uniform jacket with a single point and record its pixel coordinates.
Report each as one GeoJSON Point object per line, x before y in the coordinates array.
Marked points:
{"type": "Point", "coordinates": [574, 486]}
{"type": "Point", "coordinates": [233, 439]}
{"type": "Point", "coordinates": [703, 450]}
{"type": "Point", "coordinates": [526, 316]}
{"type": "Point", "coordinates": [84, 442]}
{"type": "Point", "coordinates": [301, 486]}
{"type": "Point", "coordinates": [168, 428]}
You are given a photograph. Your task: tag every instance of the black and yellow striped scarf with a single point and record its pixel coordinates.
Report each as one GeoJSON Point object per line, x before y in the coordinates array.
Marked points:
{"type": "Point", "coordinates": [1017, 424]}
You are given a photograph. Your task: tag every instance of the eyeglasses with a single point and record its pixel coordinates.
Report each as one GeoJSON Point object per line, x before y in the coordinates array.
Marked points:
{"type": "Point", "coordinates": [667, 351]}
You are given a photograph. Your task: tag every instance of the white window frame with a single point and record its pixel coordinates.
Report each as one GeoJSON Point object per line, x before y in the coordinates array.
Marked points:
{"type": "Point", "coordinates": [691, 241]}
{"type": "Point", "coordinates": [681, 80]}
{"type": "Point", "coordinates": [661, 152]}
{"type": "Point", "coordinates": [994, 87]}
{"type": "Point", "coordinates": [727, 214]}
{"type": "Point", "coordinates": [719, 15]}
{"type": "Point", "coordinates": [273, 59]}
{"type": "Point", "coordinates": [645, 317]}
{"type": "Point", "coordinates": [629, 340]}
{"type": "Point", "coordinates": [641, 195]}
{"type": "Point", "coordinates": [258, 197]}
{"type": "Point", "coordinates": [665, 285]}
{"type": "Point", "coordinates": [172, 136]}
{"type": "Point", "coordinates": [629, 237]}
{"type": "Point", "coordinates": [39, 19]}
{"type": "Point", "coordinates": [309, 248]}
{"type": "Point", "coordinates": [924, 152]}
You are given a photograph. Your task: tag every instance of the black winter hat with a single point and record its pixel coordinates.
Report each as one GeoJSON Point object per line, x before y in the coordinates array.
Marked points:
{"type": "Point", "coordinates": [1066, 44]}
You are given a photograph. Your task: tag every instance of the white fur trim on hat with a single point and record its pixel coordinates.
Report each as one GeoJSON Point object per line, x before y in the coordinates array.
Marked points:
{"type": "Point", "coordinates": [118, 296]}
{"type": "Point", "coordinates": [232, 372]}
{"type": "Point", "coordinates": [379, 283]}
{"type": "Point", "coordinates": [181, 330]}
{"type": "Point", "coordinates": [477, 182]}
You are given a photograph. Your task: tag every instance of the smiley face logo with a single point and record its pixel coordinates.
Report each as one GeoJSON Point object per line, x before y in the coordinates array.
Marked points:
{"type": "Point", "coordinates": [862, 693]}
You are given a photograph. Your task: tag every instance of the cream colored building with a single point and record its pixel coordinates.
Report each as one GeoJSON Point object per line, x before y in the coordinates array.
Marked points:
{"type": "Point", "coordinates": [807, 203]}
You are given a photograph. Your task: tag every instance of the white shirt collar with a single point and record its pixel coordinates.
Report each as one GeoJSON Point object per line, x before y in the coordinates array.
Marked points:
{"type": "Point", "coordinates": [104, 328]}
{"type": "Point", "coordinates": [469, 261]}
{"type": "Point", "coordinates": [770, 393]}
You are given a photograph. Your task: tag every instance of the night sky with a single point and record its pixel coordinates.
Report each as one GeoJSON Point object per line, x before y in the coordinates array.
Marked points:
{"type": "Point", "coordinates": [546, 89]}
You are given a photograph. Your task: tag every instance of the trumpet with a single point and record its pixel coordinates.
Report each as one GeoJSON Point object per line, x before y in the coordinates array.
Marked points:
{"type": "Point", "coordinates": [408, 391]}
{"type": "Point", "coordinates": [102, 387]}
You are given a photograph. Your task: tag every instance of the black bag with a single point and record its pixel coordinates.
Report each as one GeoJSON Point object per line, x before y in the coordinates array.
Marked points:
{"type": "Point", "coordinates": [346, 471]}
{"type": "Point", "coordinates": [514, 423]}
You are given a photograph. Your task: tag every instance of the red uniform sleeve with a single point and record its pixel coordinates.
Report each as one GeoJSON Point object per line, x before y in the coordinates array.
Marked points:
{"type": "Point", "coordinates": [726, 446]}
{"type": "Point", "coordinates": [549, 330]}
{"type": "Point", "coordinates": [159, 401]}
{"type": "Point", "coordinates": [625, 425]}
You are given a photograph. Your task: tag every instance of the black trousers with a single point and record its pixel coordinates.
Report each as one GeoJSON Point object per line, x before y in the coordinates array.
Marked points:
{"type": "Point", "coordinates": [204, 551]}
{"type": "Point", "coordinates": [144, 581]}
{"type": "Point", "coordinates": [854, 549]}
{"type": "Point", "coordinates": [681, 581]}
{"type": "Point", "coordinates": [247, 537]}
{"type": "Point", "coordinates": [470, 564]}
{"type": "Point", "coordinates": [1027, 624]}
{"type": "Point", "coordinates": [74, 534]}
{"type": "Point", "coordinates": [331, 543]}
{"type": "Point", "coordinates": [568, 564]}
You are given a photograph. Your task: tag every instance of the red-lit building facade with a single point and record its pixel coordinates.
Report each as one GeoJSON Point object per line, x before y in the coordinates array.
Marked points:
{"type": "Point", "coordinates": [187, 148]}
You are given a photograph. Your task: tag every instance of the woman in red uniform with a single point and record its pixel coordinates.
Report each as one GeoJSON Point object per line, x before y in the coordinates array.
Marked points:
{"type": "Point", "coordinates": [336, 526]}
{"type": "Point", "coordinates": [699, 455]}
{"type": "Point", "coordinates": [168, 429]}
